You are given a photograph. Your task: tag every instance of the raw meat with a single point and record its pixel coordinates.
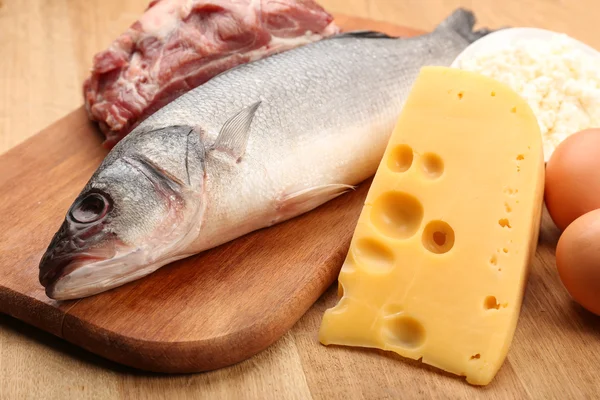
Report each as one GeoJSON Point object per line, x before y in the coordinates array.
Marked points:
{"type": "Point", "coordinates": [177, 45]}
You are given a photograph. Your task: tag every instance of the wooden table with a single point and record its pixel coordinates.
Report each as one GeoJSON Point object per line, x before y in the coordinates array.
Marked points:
{"type": "Point", "coordinates": [46, 47]}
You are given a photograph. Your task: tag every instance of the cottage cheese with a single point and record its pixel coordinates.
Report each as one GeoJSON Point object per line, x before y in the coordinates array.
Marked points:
{"type": "Point", "coordinates": [560, 82]}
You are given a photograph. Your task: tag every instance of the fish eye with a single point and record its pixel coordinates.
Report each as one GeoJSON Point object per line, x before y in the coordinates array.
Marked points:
{"type": "Point", "coordinates": [91, 208]}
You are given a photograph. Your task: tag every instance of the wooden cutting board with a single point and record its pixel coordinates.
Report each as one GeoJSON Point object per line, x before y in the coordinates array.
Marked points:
{"type": "Point", "coordinates": [202, 313]}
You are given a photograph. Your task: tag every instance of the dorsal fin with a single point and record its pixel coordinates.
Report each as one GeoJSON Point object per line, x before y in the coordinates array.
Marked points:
{"type": "Point", "coordinates": [363, 34]}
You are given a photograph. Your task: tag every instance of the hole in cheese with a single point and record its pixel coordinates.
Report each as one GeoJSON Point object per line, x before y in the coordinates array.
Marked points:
{"type": "Point", "coordinates": [493, 94]}
{"type": "Point", "coordinates": [520, 157]}
{"type": "Point", "coordinates": [373, 256]}
{"type": "Point", "coordinates": [460, 95]}
{"type": "Point", "coordinates": [476, 356]}
{"type": "Point", "coordinates": [504, 222]}
{"type": "Point", "coordinates": [513, 110]}
{"type": "Point", "coordinates": [401, 158]}
{"type": "Point", "coordinates": [404, 331]}
{"type": "Point", "coordinates": [507, 207]}
{"type": "Point", "coordinates": [433, 165]}
{"type": "Point", "coordinates": [438, 237]}
{"type": "Point", "coordinates": [490, 303]}
{"type": "Point", "coordinates": [397, 215]}
{"type": "Point", "coordinates": [494, 260]}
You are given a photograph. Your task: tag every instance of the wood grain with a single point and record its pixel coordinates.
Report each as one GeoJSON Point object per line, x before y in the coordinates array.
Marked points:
{"type": "Point", "coordinates": [45, 50]}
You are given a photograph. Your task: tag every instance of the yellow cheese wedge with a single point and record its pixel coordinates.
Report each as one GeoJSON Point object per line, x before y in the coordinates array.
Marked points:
{"type": "Point", "coordinates": [439, 260]}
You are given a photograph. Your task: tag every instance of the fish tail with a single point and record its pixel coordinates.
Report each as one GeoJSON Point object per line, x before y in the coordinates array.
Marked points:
{"type": "Point", "coordinates": [462, 22]}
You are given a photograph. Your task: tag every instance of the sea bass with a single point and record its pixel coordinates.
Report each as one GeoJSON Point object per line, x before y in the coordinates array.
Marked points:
{"type": "Point", "coordinates": [254, 146]}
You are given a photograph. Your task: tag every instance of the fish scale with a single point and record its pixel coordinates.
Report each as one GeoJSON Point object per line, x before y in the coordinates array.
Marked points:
{"type": "Point", "coordinates": [271, 139]}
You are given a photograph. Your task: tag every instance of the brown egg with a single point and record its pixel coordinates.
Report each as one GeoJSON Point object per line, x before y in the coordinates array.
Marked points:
{"type": "Point", "coordinates": [573, 178]}
{"type": "Point", "coordinates": [578, 260]}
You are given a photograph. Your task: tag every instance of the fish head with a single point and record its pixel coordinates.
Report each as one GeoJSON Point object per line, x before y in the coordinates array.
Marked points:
{"type": "Point", "coordinates": [138, 212]}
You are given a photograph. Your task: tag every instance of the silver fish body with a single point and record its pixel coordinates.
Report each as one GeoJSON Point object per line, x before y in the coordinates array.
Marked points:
{"type": "Point", "coordinates": [252, 147]}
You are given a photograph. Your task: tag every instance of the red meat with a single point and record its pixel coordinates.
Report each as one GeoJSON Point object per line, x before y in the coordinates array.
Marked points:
{"type": "Point", "coordinates": [177, 45]}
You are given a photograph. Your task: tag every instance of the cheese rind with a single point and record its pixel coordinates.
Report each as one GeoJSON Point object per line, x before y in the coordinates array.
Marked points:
{"type": "Point", "coordinates": [439, 259]}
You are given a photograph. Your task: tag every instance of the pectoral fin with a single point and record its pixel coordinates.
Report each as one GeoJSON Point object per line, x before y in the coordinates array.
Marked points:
{"type": "Point", "coordinates": [233, 136]}
{"type": "Point", "coordinates": [298, 202]}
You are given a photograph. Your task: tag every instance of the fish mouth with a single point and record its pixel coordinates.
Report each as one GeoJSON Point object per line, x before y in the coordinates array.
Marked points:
{"type": "Point", "coordinates": [77, 265]}
{"type": "Point", "coordinates": [68, 275]}
{"type": "Point", "coordinates": [51, 279]}
{"type": "Point", "coordinates": [80, 277]}
{"type": "Point", "coordinates": [61, 262]}
{"type": "Point", "coordinates": [90, 272]}
{"type": "Point", "coordinates": [88, 276]}
{"type": "Point", "coordinates": [56, 268]}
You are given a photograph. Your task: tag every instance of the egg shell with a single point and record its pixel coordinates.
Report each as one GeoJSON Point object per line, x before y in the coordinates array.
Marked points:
{"type": "Point", "coordinates": [573, 178]}
{"type": "Point", "coordinates": [578, 260]}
